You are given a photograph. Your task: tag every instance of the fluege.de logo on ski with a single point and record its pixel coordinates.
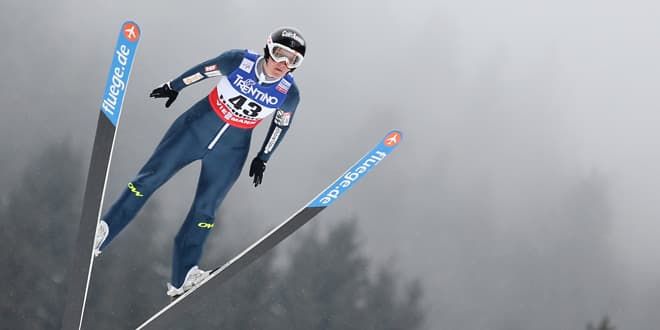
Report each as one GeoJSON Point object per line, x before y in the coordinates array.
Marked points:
{"type": "Point", "coordinates": [118, 85]}
{"type": "Point", "coordinates": [118, 75]}
{"type": "Point", "coordinates": [357, 171]}
{"type": "Point", "coordinates": [345, 182]}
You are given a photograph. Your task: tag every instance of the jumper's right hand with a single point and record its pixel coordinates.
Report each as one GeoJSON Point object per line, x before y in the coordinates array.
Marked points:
{"type": "Point", "coordinates": [165, 91]}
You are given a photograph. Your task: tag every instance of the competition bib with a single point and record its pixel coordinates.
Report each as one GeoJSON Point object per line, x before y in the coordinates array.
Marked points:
{"type": "Point", "coordinates": [241, 101]}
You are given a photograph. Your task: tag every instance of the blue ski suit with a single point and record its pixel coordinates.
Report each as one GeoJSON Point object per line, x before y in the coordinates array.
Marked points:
{"type": "Point", "coordinates": [216, 130]}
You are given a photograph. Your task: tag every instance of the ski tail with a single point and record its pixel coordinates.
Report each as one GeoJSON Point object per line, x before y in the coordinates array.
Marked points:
{"type": "Point", "coordinates": [80, 270]}
{"type": "Point", "coordinates": [189, 301]}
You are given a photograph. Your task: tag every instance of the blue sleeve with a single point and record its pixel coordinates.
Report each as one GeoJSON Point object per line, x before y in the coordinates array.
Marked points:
{"type": "Point", "coordinates": [224, 64]}
{"type": "Point", "coordinates": [280, 124]}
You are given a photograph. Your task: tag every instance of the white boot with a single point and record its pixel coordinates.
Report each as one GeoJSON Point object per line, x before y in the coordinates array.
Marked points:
{"type": "Point", "coordinates": [193, 277]}
{"type": "Point", "coordinates": [101, 235]}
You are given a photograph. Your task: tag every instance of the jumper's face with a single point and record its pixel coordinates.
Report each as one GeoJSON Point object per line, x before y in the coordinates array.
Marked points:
{"type": "Point", "coordinates": [275, 69]}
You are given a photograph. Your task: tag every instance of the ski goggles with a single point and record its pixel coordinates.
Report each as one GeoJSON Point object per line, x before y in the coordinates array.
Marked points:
{"type": "Point", "coordinates": [281, 53]}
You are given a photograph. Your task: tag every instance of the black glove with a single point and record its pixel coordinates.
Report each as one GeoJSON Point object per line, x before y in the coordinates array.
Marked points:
{"type": "Point", "coordinates": [257, 169]}
{"type": "Point", "coordinates": [165, 91]}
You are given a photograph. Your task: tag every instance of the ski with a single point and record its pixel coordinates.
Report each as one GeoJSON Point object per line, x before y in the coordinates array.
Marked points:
{"type": "Point", "coordinates": [189, 301]}
{"type": "Point", "coordinates": [80, 270]}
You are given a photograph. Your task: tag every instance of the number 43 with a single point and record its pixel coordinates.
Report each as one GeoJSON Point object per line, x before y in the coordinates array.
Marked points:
{"type": "Point", "coordinates": [250, 109]}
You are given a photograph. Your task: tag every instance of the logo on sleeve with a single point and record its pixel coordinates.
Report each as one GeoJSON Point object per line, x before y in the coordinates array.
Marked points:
{"type": "Point", "coordinates": [282, 118]}
{"type": "Point", "coordinates": [193, 78]}
{"type": "Point", "coordinates": [212, 70]}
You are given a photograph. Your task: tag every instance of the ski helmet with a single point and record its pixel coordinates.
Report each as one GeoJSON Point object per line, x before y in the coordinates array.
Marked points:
{"type": "Point", "coordinates": [286, 44]}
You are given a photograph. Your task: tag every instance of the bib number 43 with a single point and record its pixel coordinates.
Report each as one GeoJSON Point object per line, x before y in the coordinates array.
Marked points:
{"type": "Point", "coordinates": [250, 109]}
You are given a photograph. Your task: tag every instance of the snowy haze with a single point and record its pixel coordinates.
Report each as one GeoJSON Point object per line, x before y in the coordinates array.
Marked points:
{"type": "Point", "coordinates": [520, 119]}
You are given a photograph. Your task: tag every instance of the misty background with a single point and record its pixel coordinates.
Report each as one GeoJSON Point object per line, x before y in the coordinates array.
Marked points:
{"type": "Point", "coordinates": [523, 195]}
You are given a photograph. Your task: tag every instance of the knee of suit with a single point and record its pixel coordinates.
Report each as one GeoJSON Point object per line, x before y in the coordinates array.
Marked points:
{"type": "Point", "coordinates": [203, 209]}
{"type": "Point", "coordinates": [194, 233]}
{"type": "Point", "coordinates": [137, 189]}
{"type": "Point", "coordinates": [146, 182]}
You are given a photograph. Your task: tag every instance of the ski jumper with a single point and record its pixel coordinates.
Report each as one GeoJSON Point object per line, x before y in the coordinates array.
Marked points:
{"type": "Point", "coordinates": [216, 130]}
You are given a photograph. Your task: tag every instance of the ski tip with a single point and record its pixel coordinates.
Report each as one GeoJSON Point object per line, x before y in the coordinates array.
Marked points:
{"type": "Point", "coordinates": [393, 138]}
{"type": "Point", "coordinates": [131, 22]}
{"type": "Point", "coordinates": [130, 31]}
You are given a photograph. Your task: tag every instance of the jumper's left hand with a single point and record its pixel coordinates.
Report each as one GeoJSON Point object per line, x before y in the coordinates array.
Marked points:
{"type": "Point", "coordinates": [257, 169]}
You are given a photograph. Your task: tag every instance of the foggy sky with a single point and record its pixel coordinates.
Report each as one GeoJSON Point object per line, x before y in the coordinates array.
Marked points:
{"type": "Point", "coordinates": [505, 106]}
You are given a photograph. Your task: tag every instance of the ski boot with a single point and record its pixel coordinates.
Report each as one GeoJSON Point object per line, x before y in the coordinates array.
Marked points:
{"type": "Point", "coordinates": [193, 277]}
{"type": "Point", "coordinates": [101, 235]}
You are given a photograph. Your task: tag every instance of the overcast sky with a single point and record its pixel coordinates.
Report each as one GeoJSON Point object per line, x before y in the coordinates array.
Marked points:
{"type": "Point", "coordinates": [506, 107]}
